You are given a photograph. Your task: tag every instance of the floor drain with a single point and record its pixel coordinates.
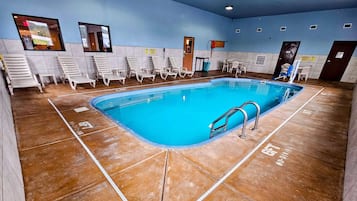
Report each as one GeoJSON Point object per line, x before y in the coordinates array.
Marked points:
{"type": "Point", "coordinates": [81, 109]}
{"type": "Point", "coordinates": [308, 112]}
{"type": "Point", "coordinates": [85, 125]}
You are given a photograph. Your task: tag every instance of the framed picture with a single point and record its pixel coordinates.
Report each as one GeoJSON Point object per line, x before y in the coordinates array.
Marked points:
{"type": "Point", "coordinates": [39, 33]}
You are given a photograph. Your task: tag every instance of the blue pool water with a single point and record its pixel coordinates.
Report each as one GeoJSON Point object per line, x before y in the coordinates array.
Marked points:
{"type": "Point", "coordinates": [180, 115]}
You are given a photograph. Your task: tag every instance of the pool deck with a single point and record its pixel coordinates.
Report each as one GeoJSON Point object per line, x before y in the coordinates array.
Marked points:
{"type": "Point", "coordinates": [297, 153]}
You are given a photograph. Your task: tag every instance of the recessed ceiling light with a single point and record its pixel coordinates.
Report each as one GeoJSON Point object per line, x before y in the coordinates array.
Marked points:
{"type": "Point", "coordinates": [229, 7]}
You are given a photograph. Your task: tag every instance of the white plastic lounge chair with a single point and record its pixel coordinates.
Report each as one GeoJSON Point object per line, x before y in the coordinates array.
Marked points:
{"type": "Point", "coordinates": [105, 72]}
{"type": "Point", "coordinates": [182, 71]}
{"type": "Point", "coordinates": [285, 71]}
{"type": "Point", "coordinates": [225, 65]}
{"type": "Point", "coordinates": [304, 73]}
{"type": "Point", "coordinates": [235, 66]}
{"type": "Point", "coordinates": [72, 73]}
{"type": "Point", "coordinates": [240, 67]}
{"type": "Point", "coordinates": [18, 73]}
{"type": "Point", "coordinates": [160, 69]}
{"type": "Point", "coordinates": [139, 73]}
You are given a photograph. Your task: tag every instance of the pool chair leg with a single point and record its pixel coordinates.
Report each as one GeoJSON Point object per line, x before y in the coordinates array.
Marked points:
{"type": "Point", "coordinates": [164, 77]}
{"type": "Point", "coordinates": [106, 81]}
{"type": "Point", "coordinates": [139, 79]}
{"type": "Point", "coordinates": [182, 75]}
{"type": "Point", "coordinates": [93, 84]}
{"type": "Point", "coordinates": [73, 85]}
{"type": "Point", "coordinates": [11, 90]}
{"type": "Point", "coordinates": [40, 88]}
{"type": "Point", "coordinates": [122, 81]}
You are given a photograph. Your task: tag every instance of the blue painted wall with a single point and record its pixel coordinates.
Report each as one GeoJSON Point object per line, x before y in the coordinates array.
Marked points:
{"type": "Point", "coordinates": [317, 42]}
{"type": "Point", "coordinates": [154, 23]}
{"type": "Point", "coordinates": [164, 23]}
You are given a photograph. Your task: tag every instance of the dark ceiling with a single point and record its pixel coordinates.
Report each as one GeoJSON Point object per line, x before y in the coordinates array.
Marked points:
{"type": "Point", "coordinates": [254, 8]}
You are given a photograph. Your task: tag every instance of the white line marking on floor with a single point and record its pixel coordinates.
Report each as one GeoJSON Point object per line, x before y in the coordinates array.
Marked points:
{"type": "Point", "coordinates": [230, 172]}
{"type": "Point", "coordinates": [101, 168]}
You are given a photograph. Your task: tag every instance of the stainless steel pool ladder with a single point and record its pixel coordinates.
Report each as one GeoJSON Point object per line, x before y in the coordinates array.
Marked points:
{"type": "Point", "coordinates": [229, 113]}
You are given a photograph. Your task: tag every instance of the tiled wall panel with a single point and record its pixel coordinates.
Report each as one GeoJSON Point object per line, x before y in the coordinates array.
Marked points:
{"type": "Point", "coordinates": [45, 61]}
{"type": "Point", "coordinates": [350, 185]}
{"type": "Point", "coordinates": [11, 185]}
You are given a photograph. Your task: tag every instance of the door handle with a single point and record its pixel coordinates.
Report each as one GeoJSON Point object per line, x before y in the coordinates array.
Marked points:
{"type": "Point", "coordinates": [328, 61]}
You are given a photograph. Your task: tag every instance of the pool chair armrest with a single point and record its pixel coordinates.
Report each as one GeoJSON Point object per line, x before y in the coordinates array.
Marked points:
{"type": "Point", "coordinates": [35, 77]}
{"type": "Point", "coordinates": [118, 71]}
{"type": "Point", "coordinates": [85, 75]}
{"type": "Point", "coordinates": [167, 69]}
{"type": "Point", "coordinates": [146, 70]}
{"type": "Point", "coordinates": [8, 79]}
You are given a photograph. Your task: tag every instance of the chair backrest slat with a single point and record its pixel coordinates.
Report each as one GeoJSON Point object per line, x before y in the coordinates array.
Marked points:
{"type": "Point", "coordinates": [132, 63]}
{"type": "Point", "coordinates": [16, 67]}
{"type": "Point", "coordinates": [173, 63]}
{"type": "Point", "coordinates": [69, 67]}
{"type": "Point", "coordinates": [156, 62]}
{"type": "Point", "coordinates": [102, 64]}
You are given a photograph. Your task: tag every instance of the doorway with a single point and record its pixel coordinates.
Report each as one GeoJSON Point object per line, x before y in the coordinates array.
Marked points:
{"type": "Point", "coordinates": [93, 45]}
{"type": "Point", "coordinates": [188, 49]}
{"type": "Point", "coordinates": [337, 60]}
{"type": "Point", "coordinates": [287, 54]}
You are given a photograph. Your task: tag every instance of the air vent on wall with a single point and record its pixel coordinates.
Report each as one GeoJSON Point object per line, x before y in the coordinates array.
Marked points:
{"type": "Point", "coordinates": [313, 27]}
{"type": "Point", "coordinates": [347, 25]}
{"type": "Point", "coordinates": [260, 60]}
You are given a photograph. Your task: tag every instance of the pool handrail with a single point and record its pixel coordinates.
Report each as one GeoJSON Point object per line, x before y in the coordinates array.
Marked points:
{"type": "Point", "coordinates": [229, 113]}
{"type": "Point", "coordinates": [257, 113]}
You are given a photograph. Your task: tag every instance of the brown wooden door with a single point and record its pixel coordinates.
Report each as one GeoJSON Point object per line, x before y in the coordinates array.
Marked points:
{"type": "Point", "coordinates": [287, 54]}
{"type": "Point", "coordinates": [93, 45]}
{"type": "Point", "coordinates": [337, 60]}
{"type": "Point", "coordinates": [188, 48]}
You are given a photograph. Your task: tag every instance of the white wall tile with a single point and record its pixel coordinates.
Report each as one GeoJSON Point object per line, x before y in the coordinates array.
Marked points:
{"type": "Point", "coordinates": [14, 46]}
{"type": "Point", "coordinates": [350, 74]}
{"type": "Point", "coordinates": [76, 49]}
{"type": "Point", "coordinates": [35, 53]}
{"type": "Point", "coordinates": [122, 63]}
{"type": "Point", "coordinates": [350, 173]}
{"type": "Point", "coordinates": [139, 51]}
{"type": "Point", "coordinates": [37, 64]}
{"type": "Point", "coordinates": [119, 51]}
{"type": "Point", "coordinates": [350, 180]}
{"type": "Point", "coordinates": [130, 51]}
{"type": "Point", "coordinates": [2, 94]}
{"type": "Point", "coordinates": [11, 187]}
{"type": "Point", "coordinates": [68, 51]}
{"type": "Point", "coordinates": [45, 61]}
{"type": "Point", "coordinates": [2, 47]}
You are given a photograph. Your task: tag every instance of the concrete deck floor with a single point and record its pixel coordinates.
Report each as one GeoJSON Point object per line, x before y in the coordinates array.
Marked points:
{"type": "Point", "coordinates": [306, 137]}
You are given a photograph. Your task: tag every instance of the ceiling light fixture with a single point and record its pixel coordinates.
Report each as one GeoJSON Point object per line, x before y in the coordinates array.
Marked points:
{"type": "Point", "coordinates": [229, 7]}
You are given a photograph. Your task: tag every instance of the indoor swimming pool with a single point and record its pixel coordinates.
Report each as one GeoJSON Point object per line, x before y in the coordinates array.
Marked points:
{"type": "Point", "coordinates": [179, 116]}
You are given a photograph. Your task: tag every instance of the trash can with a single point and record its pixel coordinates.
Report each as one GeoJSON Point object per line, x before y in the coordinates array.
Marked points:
{"type": "Point", "coordinates": [206, 65]}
